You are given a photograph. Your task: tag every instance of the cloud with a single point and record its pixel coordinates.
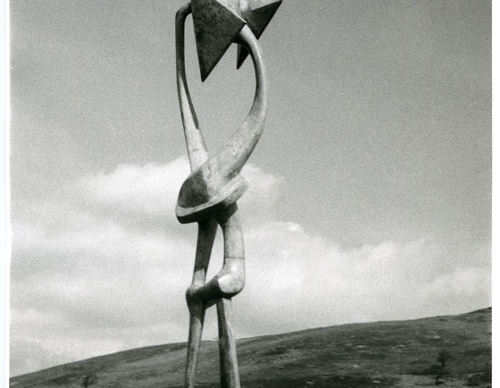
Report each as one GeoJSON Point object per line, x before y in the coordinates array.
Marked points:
{"type": "Point", "coordinates": [103, 265]}
{"type": "Point", "coordinates": [296, 280]}
{"type": "Point", "coordinates": [146, 191]}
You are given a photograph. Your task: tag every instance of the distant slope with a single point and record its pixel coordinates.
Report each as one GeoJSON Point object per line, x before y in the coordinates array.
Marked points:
{"type": "Point", "coordinates": [381, 354]}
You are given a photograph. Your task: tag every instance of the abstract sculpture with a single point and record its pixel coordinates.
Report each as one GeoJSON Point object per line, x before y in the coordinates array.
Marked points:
{"type": "Point", "coordinates": [209, 194]}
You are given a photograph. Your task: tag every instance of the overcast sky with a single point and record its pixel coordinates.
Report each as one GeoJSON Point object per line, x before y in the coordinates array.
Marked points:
{"type": "Point", "coordinates": [370, 193]}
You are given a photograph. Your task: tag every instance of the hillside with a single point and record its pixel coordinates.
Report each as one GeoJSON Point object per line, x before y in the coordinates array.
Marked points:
{"type": "Point", "coordinates": [381, 354]}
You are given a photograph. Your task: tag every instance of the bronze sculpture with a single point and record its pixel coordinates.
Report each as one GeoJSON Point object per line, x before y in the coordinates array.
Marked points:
{"type": "Point", "coordinates": [209, 194]}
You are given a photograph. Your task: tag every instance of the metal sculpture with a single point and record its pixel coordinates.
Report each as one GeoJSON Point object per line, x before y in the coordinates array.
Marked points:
{"type": "Point", "coordinates": [209, 194]}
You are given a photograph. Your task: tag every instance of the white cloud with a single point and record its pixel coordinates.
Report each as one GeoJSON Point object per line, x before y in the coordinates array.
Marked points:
{"type": "Point", "coordinates": [103, 266]}
{"type": "Point", "coordinates": [257, 204]}
{"type": "Point", "coordinates": [149, 190]}
{"type": "Point", "coordinates": [296, 280]}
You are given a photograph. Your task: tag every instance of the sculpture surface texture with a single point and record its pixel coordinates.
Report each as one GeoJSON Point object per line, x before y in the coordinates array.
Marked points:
{"type": "Point", "coordinates": [209, 194]}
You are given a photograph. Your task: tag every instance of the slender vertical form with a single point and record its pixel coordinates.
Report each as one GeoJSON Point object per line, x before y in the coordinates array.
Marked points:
{"type": "Point", "coordinates": [209, 194]}
{"type": "Point", "coordinates": [197, 152]}
{"type": "Point", "coordinates": [229, 372]}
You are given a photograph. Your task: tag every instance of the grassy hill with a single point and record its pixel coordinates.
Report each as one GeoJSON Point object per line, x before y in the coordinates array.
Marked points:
{"type": "Point", "coordinates": [381, 354]}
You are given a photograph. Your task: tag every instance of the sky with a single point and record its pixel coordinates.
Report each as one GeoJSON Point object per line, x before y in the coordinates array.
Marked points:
{"type": "Point", "coordinates": [370, 189]}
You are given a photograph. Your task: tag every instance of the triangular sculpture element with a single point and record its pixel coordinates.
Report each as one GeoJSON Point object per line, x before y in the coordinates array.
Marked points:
{"type": "Point", "coordinates": [215, 27]}
{"type": "Point", "coordinates": [257, 19]}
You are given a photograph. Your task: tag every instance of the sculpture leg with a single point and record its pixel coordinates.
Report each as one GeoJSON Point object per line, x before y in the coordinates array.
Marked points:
{"type": "Point", "coordinates": [196, 320]}
{"type": "Point", "coordinates": [206, 235]}
{"type": "Point", "coordinates": [226, 284]}
{"type": "Point", "coordinates": [229, 372]}
{"type": "Point", "coordinates": [234, 259]}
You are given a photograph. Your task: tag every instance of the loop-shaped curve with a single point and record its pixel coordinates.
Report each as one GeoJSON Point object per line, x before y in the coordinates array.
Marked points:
{"type": "Point", "coordinates": [215, 181]}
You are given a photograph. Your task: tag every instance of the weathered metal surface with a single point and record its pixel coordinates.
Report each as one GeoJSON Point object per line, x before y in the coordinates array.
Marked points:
{"type": "Point", "coordinates": [257, 14]}
{"type": "Point", "coordinates": [209, 194]}
{"type": "Point", "coordinates": [217, 23]}
{"type": "Point", "coordinates": [217, 183]}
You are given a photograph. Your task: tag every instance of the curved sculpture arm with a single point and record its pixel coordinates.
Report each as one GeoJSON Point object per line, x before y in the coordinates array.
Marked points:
{"type": "Point", "coordinates": [217, 183]}
{"type": "Point", "coordinates": [235, 152]}
{"type": "Point", "coordinates": [197, 150]}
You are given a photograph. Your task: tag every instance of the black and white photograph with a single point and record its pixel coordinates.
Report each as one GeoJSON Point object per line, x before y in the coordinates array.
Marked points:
{"type": "Point", "coordinates": [249, 193]}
